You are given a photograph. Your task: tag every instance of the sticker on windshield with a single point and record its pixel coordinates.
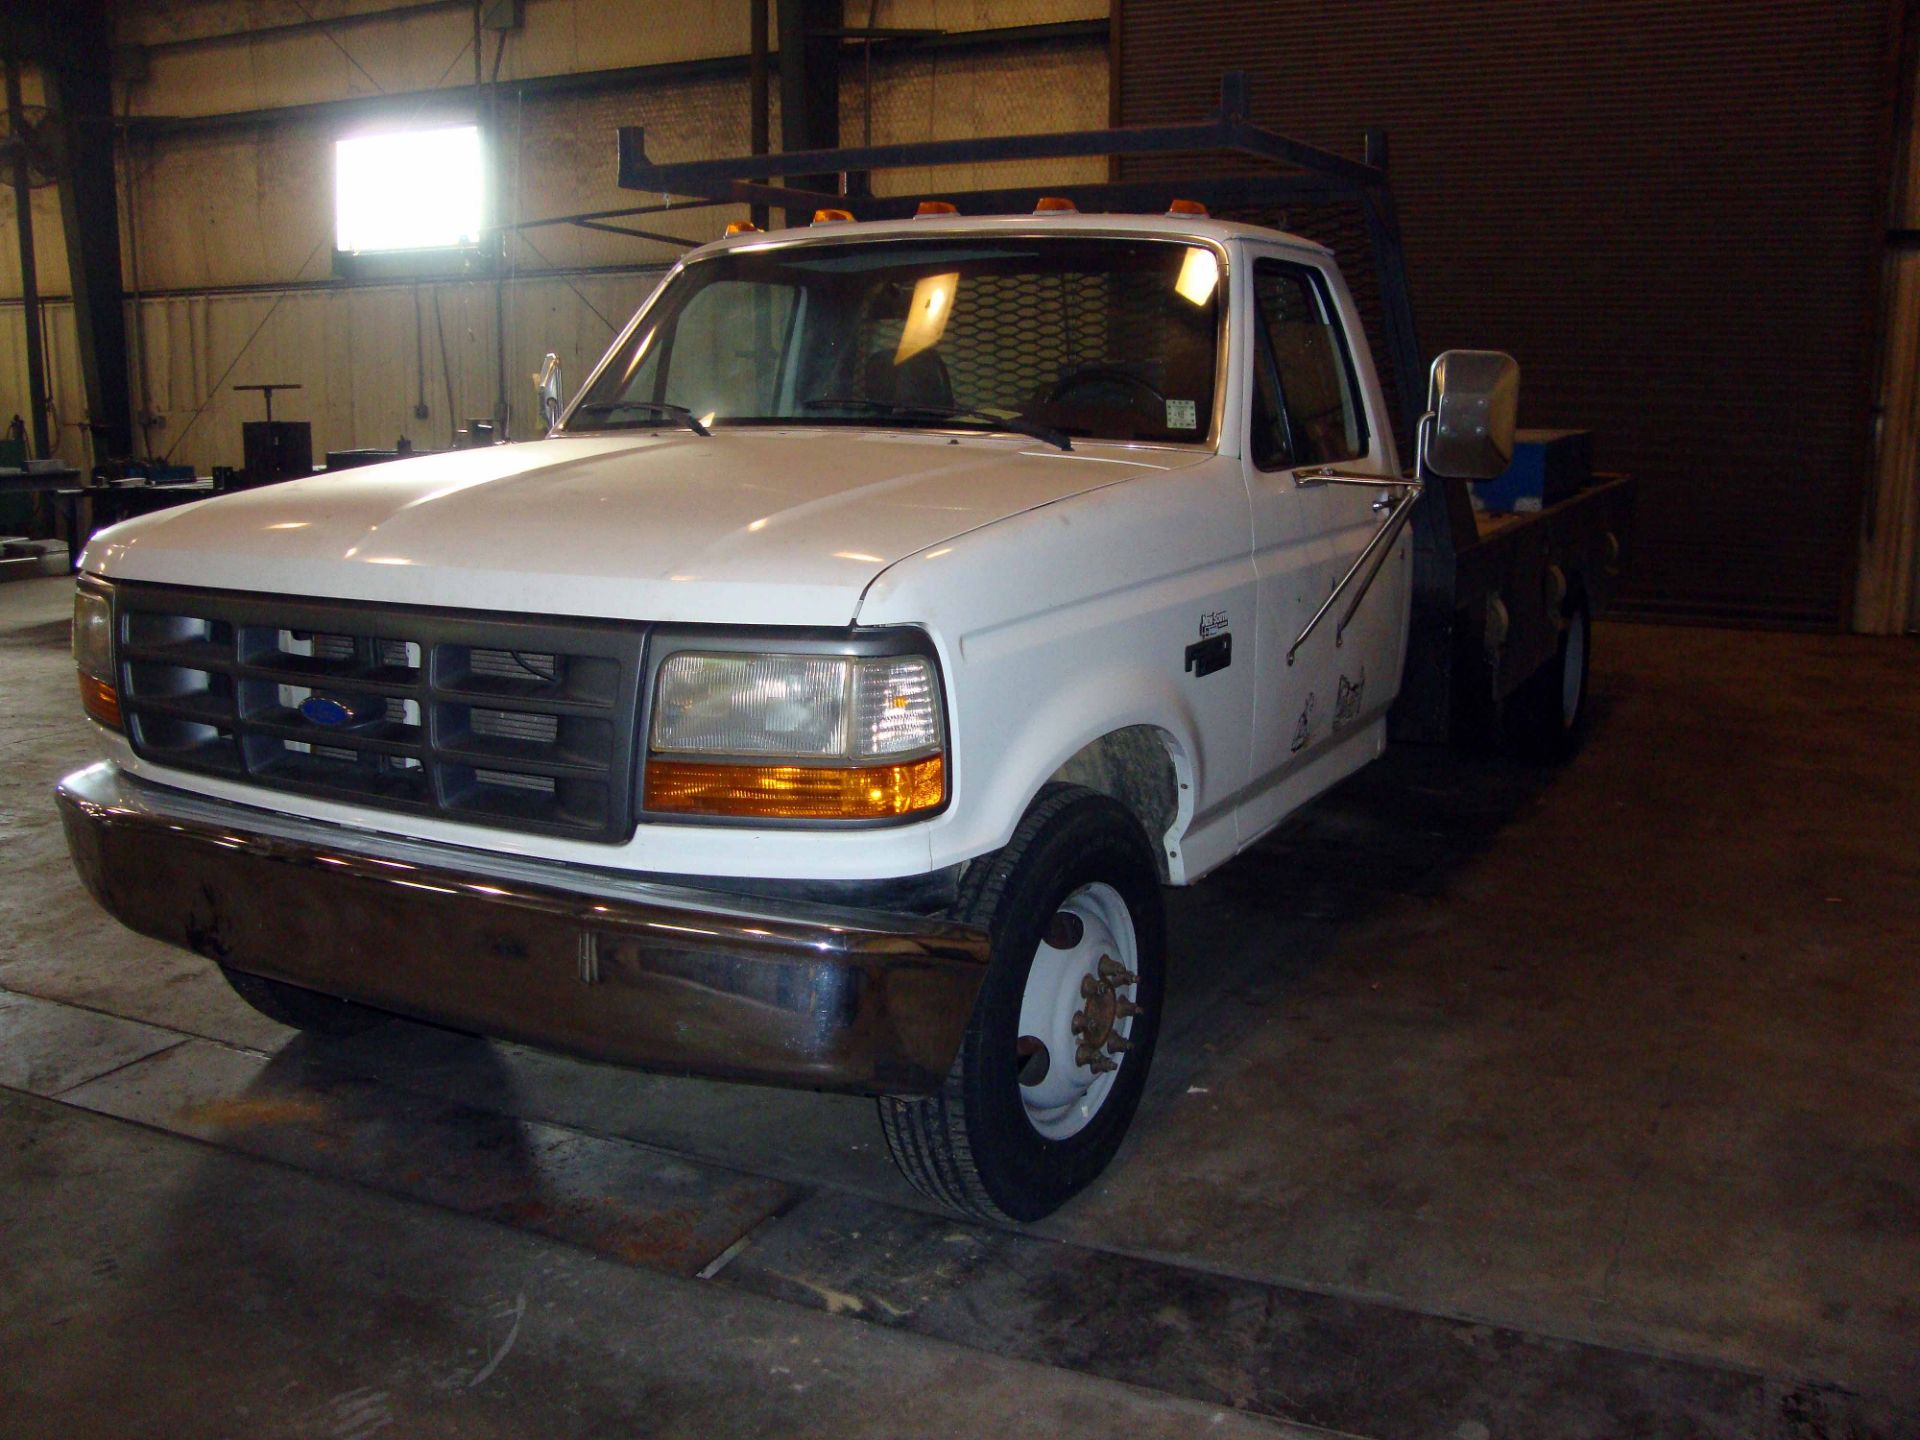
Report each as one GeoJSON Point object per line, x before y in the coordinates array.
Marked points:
{"type": "Point", "coordinates": [1182, 415]}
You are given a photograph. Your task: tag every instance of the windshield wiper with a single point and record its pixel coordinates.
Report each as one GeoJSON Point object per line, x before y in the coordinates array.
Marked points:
{"type": "Point", "coordinates": [659, 407]}
{"type": "Point", "coordinates": [1018, 424]}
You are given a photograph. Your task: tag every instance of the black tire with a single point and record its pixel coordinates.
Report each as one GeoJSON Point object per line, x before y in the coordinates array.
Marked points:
{"type": "Point", "coordinates": [307, 1010]}
{"type": "Point", "coordinates": [1541, 724]}
{"type": "Point", "coordinates": [971, 1146]}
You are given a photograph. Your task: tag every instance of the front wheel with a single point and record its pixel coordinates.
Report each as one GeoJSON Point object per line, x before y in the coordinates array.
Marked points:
{"type": "Point", "coordinates": [1062, 1034]}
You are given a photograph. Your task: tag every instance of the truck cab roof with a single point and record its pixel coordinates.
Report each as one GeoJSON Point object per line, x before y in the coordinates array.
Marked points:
{"type": "Point", "coordinates": [1171, 227]}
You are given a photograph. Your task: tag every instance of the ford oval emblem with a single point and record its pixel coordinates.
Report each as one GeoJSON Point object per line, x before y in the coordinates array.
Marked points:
{"type": "Point", "coordinates": [325, 710]}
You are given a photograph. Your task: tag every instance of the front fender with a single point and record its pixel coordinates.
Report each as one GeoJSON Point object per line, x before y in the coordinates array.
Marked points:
{"type": "Point", "coordinates": [1063, 624]}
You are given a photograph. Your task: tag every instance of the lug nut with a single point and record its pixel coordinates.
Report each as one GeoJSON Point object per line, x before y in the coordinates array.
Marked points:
{"type": "Point", "coordinates": [1118, 1045]}
{"type": "Point", "coordinates": [1123, 1008]}
{"type": "Point", "coordinates": [1089, 987]}
{"type": "Point", "coordinates": [1114, 973]}
{"type": "Point", "coordinates": [1100, 1064]}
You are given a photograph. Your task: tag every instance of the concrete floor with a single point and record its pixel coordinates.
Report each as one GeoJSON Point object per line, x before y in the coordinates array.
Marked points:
{"type": "Point", "coordinates": [1491, 1102]}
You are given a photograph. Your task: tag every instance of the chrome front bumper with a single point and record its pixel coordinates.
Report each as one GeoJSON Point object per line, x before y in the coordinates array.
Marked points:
{"type": "Point", "coordinates": [592, 963]}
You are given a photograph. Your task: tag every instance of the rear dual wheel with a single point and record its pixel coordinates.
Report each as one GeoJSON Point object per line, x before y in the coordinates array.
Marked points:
{"type": "Point", "coordinates": [1545, 717]}
{"type": "Point", "coordinates": [1062, 1034]}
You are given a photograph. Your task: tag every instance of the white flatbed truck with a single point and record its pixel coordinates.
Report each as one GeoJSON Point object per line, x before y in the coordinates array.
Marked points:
{"type": "Point", "coordinates": [826, 700]}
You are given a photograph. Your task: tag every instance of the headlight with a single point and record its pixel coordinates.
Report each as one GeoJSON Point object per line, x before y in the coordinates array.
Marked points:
{"type": "Point", "coordinates": [787, 736]}
{"type": "Point", "coordinates": [93, 652]}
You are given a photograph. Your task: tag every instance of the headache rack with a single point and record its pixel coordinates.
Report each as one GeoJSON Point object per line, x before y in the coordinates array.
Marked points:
{"type": "Point", "coordinates": [519, 723]}
{"type": "Point", "coordinates": [1306, 175]}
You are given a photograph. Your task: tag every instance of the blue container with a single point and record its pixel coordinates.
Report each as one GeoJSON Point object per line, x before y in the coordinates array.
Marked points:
{"type": "Point", "coordinates": [1548, 466]}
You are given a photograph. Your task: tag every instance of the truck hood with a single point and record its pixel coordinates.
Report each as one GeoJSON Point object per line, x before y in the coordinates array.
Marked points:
{"type": "Point", "coordinates": [746, 527]}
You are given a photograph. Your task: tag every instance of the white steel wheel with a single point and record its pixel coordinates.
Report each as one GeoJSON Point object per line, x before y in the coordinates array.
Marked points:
{"type": "Point", "coordinates": [1544, 717]}
{"type": "Point", "coordinates": [1573, 670]}
{"type": "Point", "coordinates": [1060, 1042]}
{"type": "Point", "coordinates": [1077, 1011]}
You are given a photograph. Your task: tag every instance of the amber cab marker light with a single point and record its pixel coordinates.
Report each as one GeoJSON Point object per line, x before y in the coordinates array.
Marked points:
{"type": "Point", "coordinates": [742, 227]}
{"type": "Point", "coordinates": [101, 701]}
{"type": "Point", "coordinates": [796, 792]}
{"type": "Point", "coordinates": [1054, 205]}
{"type": "Point", "coordinates": [831, 217]}
{"type": "Point", "coordinates": [1188, 207]}
{"type": "Point", "coordinates": [935, 207]}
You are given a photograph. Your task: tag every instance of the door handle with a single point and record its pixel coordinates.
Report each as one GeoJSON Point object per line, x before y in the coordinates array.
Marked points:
{"type": "Point", "coordinates": [1385, 502]}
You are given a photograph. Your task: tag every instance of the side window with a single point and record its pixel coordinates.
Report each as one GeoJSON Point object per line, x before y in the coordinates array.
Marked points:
{"type": "Point", "coordinates": [1306, 406]}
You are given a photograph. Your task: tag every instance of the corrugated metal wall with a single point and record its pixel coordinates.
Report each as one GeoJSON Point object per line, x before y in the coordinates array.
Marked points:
{"type": "Point", "coordinates": [1670, 213]}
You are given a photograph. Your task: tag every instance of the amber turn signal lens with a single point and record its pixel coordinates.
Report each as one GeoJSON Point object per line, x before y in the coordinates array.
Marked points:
{"type": "Point", "coordinates": [742, 227]}
{"type": "Point", "coordinates": [830, 217]}
{"type": "Point", "coordinates": [100, 700]}
{"type": "Point", "coordinates": [1187, 207]}
{"type": "Point", "coordinates": [796, 792]}
{"type": "Point", "coordinates": [935, 207]}
{"type": "Point", "coordinates": [1054, 204]}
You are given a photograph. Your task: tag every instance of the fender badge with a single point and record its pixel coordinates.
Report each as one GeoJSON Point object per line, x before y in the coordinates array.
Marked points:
{"type": "Point", "coordinates": [1206, 656]}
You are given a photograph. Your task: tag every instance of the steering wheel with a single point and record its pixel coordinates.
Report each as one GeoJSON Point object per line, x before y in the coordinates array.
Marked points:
{"type": "Point", "coordinates": [1153, 410]}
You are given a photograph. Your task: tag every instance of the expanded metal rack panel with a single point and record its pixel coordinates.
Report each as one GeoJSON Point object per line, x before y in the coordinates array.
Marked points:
{"type": "Point", "coordinates": [522, 724]}
{"type": "Point", "coordinates": [1013, 337]}
{"type": "Point", "coordinates": [1670, 214]}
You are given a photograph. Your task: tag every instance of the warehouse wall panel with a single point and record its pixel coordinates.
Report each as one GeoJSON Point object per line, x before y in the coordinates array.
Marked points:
{"type": "Point", "coordinates": [401, 54]}
{"type": "Point", "coordinates": [233, 224]}
{"type": "Point", "coordinates": [366, 356]}
{"type": "Point", "coordinates": [49, 241]}
{"type": "Point", "coordinates": [60, 349]}
{"type": "Point", "coordinates": [934, 96]}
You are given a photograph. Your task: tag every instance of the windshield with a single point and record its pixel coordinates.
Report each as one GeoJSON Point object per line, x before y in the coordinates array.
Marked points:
{"type": "Point", "coordinates": [1111, 339]}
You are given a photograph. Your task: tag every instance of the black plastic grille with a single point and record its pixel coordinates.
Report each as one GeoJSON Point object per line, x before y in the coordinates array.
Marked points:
{"type": "Point", "coordinates": [519, 723]}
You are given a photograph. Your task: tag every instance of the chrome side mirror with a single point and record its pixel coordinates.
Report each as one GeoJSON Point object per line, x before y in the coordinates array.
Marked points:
{"type": "Point", "coordinates": [547, 385]}
{"type": "Point", "coordinates": [1473, 397]}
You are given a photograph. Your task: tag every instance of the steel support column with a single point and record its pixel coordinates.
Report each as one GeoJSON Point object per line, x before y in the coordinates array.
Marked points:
{"type": "Point", "coordinates": [809, 62]}
{"type": "Point", "coordinates": [81, 99]}
{"type": "Point", "coordinates": [29, 277]}
{"type": "Point", "coordinates": [758, 136]}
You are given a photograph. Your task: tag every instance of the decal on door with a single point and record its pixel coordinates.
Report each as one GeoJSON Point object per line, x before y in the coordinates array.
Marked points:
{"type": "Point", "coordinates": [1303, 727]}
{"type": "Point", "coordinates": [1212, 622]}
{"type": "Point", "coordinates": [1346, 705]}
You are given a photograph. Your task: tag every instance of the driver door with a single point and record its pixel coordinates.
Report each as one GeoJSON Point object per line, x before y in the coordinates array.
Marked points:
{"type": "Point", "coordinates": [1316, 708]}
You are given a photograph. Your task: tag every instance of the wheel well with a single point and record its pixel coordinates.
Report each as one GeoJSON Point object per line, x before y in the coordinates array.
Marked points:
{"type": "Point", "coordinates": [1134, 766]}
